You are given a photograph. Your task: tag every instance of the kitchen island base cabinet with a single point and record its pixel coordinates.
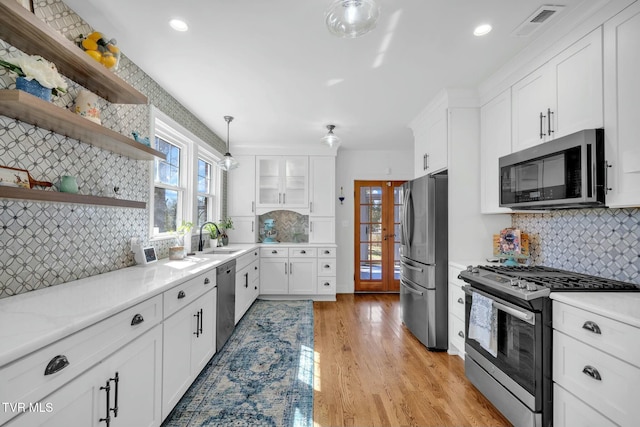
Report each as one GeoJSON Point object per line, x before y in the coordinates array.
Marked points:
{"type": "Point", "coordinates": [133, 377]}
{"type": "Point", "coordinates": [189, 343]}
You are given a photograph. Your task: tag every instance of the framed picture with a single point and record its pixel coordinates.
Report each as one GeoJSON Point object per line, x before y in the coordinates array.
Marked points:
{"type": "Point", "coordinates": [11, 177]}
{"type": "Point", "coordinates": [27, 4]}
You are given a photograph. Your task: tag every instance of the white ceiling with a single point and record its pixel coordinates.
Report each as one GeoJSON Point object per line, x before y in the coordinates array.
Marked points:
{"type": "Point", "coordinates": [274, 66]}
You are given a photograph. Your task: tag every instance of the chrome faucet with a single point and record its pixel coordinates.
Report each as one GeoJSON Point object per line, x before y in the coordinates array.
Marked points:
{"type": "Point", "coordinates": [200, 241]}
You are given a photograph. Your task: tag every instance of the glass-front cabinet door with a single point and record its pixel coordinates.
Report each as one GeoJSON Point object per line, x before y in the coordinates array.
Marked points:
{"type": "Point", "coordinates": [283, 181]}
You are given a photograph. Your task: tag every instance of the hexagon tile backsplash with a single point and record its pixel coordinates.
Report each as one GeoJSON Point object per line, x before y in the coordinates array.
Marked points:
{"type": "Point", "coordinates": [601, 242]}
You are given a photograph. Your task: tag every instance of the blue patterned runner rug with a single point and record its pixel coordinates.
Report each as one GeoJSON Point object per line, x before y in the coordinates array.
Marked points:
{"type": "Point", "coordinates": [263, 376]}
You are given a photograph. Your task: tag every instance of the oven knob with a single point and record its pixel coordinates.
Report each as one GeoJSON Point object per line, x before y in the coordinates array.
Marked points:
{"type": "Point", "coordinates": [531, 286]}
{"type": "Point", "coordinates": [475, 270]}
{"type": "Point", "coordinates": [513, 282]}
{"type": "Point", "coordinates": [469, 268]}
{"type": "Point", "coordinates": [522, 284]}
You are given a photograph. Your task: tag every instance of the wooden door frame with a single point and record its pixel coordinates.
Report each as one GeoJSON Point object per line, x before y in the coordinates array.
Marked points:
{"type": "Point", "coordinates": [387, 282]}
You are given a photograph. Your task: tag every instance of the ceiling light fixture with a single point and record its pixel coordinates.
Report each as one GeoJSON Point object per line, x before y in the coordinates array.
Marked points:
{"type": "Point", "coordinates": [352, 18]}
{"type": "Point", "coordinates": [482, 30]}
{"type": "Point", "coordinates": [178, 25]}
{"type": "Point", "coordinates": [228, 162]}
{"type": "Point", "coordinates": [330, 138]}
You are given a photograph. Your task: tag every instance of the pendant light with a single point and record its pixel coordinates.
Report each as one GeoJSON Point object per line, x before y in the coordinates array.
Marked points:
{"type": "Point", "coordinates": [330, 138]}
{"type": "Point", "coordinates": [352, 18]}
{"type": "Point", "coordinates": [228, 162]}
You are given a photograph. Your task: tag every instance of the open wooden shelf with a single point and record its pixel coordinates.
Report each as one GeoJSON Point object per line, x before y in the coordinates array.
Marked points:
{"type": "Point", "coordinates": [31, 109]}
{"type": "Point", "coordinates": [54, 196]}
{"type": "Point", "coordinates": [24, 30]}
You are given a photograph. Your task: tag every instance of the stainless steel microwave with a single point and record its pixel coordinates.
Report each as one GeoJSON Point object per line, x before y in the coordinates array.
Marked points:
{"type": "Point", "coordinates": [568, 172]}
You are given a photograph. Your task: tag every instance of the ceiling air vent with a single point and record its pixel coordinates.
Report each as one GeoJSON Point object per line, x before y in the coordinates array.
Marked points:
{"type": "Point", "coordinates": [537, 20]}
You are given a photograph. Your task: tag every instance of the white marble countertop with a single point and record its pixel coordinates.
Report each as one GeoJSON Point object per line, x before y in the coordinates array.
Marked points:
{"type": "Point", "coordinates": [35, 319]}
{"type": "Point", "coordinates": [621, 306]}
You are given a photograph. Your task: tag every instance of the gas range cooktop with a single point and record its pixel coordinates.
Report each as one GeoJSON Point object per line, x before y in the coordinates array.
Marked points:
{"type": "Point", "coordinates": [530, 282]}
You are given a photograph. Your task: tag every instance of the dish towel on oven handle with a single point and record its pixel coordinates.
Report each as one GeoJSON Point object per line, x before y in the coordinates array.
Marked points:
{"type": "Point", "coordinates": [483, 323]}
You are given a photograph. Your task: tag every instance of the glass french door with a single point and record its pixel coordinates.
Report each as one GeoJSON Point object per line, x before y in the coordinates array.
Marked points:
{"type": "Point", "coordinates": [378, 210]}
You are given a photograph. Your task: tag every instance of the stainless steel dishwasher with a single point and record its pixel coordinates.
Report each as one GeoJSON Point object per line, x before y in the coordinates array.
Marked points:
{"type": "Point", "coordinates": [226, 306]}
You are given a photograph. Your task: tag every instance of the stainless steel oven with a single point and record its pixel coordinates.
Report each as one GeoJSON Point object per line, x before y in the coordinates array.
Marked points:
{"type": "Point", "coordinates": [515, 376]}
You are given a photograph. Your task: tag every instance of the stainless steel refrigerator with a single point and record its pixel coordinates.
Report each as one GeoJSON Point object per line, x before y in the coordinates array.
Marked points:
{"type": "Point", "coordinates": [423, 255]}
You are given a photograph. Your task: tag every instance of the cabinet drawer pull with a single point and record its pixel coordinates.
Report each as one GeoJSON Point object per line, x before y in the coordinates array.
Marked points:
{"type": "Point", "coordinates": [461, 334]}
{"type": "Point", "coordinates": [206, 281]}
{"type": "Point", "coordinates": [327, 266]}
{"type": "Point", "coordinates": [303, 252]}
{"type": "Point", "coordinates": [460, 301]}
{"type": "Point", "coordinates": [181, 295]}
{"type": "Point", "coordinates": [137, 319]}
{"type": "Point", "coordinates": [327, 252]}
{"type": "Point", "coordinates": [107, 418]}
{"type": "Point", "coordinates": [116, 380]}
{"type": "Point", "coordinates": [274, 251]}
{"type": "Point", "coordinates": [327, 284]}
{"type": "Point", "coordinates": [56, 364]}
{"type": "Point", "coordinates": [592, 327]}
{"type": "Point", "coordinates": [592, 372]}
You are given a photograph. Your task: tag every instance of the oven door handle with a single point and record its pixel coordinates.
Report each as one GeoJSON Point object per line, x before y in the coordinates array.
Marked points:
{"type": "Point", "coordinates": [522, 315]}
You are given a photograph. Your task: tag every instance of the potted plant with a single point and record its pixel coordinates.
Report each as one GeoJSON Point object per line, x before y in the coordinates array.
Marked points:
{"type": "Point", "coordinates": [224, 225]}
{"type": "Point", "coordinates": [178, 252]}
{"type": "Point", "coordinates": [36, 75]}
{"type": "Point", "coordinates": [213, 234]}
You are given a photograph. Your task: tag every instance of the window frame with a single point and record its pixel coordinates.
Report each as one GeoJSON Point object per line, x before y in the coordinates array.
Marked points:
{"type": "Point", "coordinates": [192, 149]}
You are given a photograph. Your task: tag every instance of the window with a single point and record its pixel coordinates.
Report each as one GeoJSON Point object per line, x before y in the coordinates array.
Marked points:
{"type": "Point", "coordinates": [185, 185]}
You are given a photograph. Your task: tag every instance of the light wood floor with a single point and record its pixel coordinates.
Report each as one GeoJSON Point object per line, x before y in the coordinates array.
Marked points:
{"type": "Point", "coordinates": [370, 371]}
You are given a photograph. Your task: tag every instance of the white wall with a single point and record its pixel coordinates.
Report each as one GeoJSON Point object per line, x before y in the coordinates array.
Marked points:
{"type": "Point", "coordinates": [352, 165]}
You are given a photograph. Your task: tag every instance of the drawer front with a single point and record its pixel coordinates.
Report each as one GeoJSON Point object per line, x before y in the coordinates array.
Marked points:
{"type": "Point", "coordinates": [326, 285]}
{"type": "Point", "coordinates": [274, 253]}
{"type": "Point", "coordinates": [302, 252]}
{"type": "Point", "coordinates": [456, 301]}
{"type": "Point", "coordinates": [614, 337]}
{"type": "Point", "coordinates": [326, 252]}
{"type": "Point", "coordinates": [254, 272]}
{"type": "Point", "coordinates": [25, 379]}
{"type": "Point", "coordinates": [614, 394]}
{"type": "Point", "coordinates": [181, 295]}
{"type": "Point", "coordinates": [457, 333]}
{"type": "Point", "coordinates": [569, 411]}
{"type": "Point", "coordinates": [247, 259]}
{"type": "Point", "coordinates": [326, 267]}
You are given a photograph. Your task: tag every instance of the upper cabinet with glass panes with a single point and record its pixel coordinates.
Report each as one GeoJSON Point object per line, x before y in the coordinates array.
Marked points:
{"type": "Point", "coordinates": [282, 182]}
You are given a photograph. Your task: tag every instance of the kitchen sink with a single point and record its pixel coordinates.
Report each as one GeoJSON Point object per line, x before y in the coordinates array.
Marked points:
{"type": "Point", "coordinates": [221, 251]}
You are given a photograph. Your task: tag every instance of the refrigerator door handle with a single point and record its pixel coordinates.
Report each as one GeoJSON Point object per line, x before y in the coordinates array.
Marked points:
{"type": "Point", "coordinates": [410, 289]}
{"type": "Point", "coordinates": [406, 226]}
{"type": "Point", "coordinates": [411, 267]}
{"type": "Point", "coordinates": [412, 283]}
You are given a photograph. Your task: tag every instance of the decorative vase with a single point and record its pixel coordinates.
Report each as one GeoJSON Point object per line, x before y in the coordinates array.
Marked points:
{"type": "Point", "coordinates": [176, 252]}
{"type": "Point", "coordinates": [225, 241]}
{"type": "Point", "coordinates": [68, 184]}
{"type": "Point", "coordinates": [34, 88]}
{"type": "Point", "coordinates": [87, 106]}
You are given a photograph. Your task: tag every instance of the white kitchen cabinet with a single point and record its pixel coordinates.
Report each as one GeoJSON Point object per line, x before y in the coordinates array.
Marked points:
{"type": "Point", "coordinates": [303, 272]}
{"type": "Point", "coordinates": [247, 282]}
{"type": "Point", "coordinates": [456, 312]}
{"type": "Point", "coordinates": [622, 107]}
{"type": "Point", "coordinates": [322, 229]}
{"type": "Point", "coordinates": [132, 376]}
{"type": "Point", "coordinates": [244, 230]}
{"type": "Point", "coordinates": [322, 172]}
{"type": "Point", "coordinates": [495, 142]}
{"type": "Point", "coordinates": [596, 360]}
{"type": "Point", "coordinates": [327, 271]}
{"type": "Point", "coordinates": [189, 342]}
{"type": "Point", "coordinates": [561, 97]}
{"type": "Point", "coordinates": [241, 194]}
{"type": "Point", "coordinates": [274, 268]}
{"type": "Point", "coordinates": [430, 132]}
{"type": "Point", "coordinates": [282, 182]}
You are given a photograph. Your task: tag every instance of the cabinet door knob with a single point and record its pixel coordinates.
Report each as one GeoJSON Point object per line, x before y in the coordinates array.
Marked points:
{"type": "Point", "coordinates": [137, 319]}
{"type": "Point", "coordinates": [206, 281]}
{"type": "Point", "coordinates": [461, 334]}
{"type": "Point", "coordinates": [56, 364]}
{"type": "Point", "coordinates": [460, 301]}
{"type": "Point", "coordinates": [181, 295]}
{"type": "Point", "coordinates": [592, 327]}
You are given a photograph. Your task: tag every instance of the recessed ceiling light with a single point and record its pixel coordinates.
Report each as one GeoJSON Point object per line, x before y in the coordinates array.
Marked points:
{"type": "Point", "coordinates": [482, 30]}
{"type": "Point", "coordinates": [178, 25]}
